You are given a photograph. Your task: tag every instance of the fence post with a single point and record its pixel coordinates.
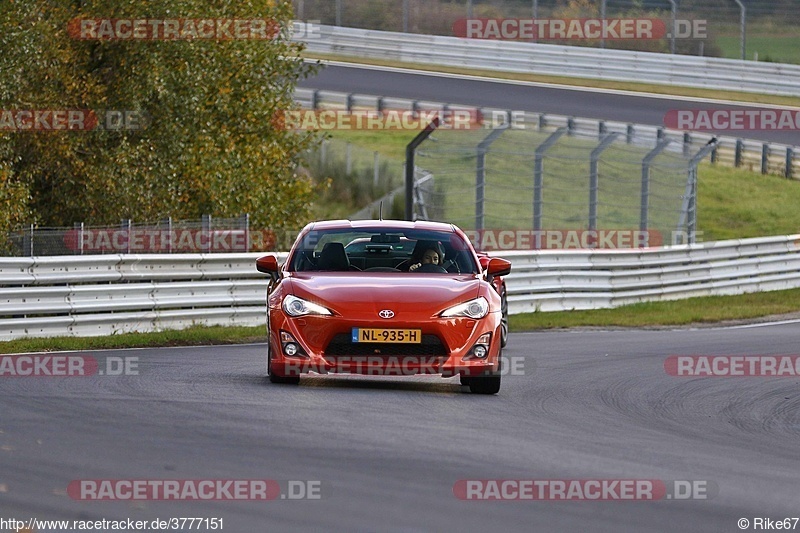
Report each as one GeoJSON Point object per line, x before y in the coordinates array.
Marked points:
{"type": "Point", "coordinates": [246, 221]}
{"type": "Point", "coordinates": [644, 211]}
{"type": "Point", "coordinates": [411, 149]}
{"type": "Point", "coordinates": [594, 177]}
{"type": "Point", "coordinates": [375, 169]}
{"type": "Point", "coordinates": [687, 143]}
{"type": "Point", "coordinates": [538, 177]}
{"type": "Point", "coordinates": [205, 227]}
{"type": "Point", "coordinates": [125, 224]}
{"type": "Point", "coordinates": [31, 241]}
{"type": "Point", "coordinates": [170, 235]}
{"type": "Point", "coordinates": [348, 157]}
{"type": "Point", "coordinates": [79, 230]}
{"type": "Point", "coordinates": [789, 162]}
{"type": "Point", "coordinates": [688, 218]}
{"type": "Point", "coordinates": [480, 173]}
{"type": "Point", "coordinates": [765, 158]}
{"type": "Point", "coordinates": [629, 131]}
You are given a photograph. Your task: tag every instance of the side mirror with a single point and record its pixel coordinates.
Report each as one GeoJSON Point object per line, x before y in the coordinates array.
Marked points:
{"type": "Point", "coordinates": [267, 264]}
{"type": "Point", "coordinates": [498, 267]}
{"type": "Point", "coordinates": [484, 261]}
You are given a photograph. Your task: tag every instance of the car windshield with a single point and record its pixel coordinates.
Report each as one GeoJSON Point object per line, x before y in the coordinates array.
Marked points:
{"type": "Point", "coordinates": [383, 250]}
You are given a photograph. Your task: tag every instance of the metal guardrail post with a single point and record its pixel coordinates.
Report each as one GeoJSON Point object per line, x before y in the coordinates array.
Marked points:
{"type": "Point", "coordinates": [644, 211]}
{"type": "Point", "coordinates": [570, 125]}
{"type": "Point", "coordinates": [629, 132]}
{"type": "Point", "coordinates": [538, 178]}
{"type": "Point", "coordinates": [594, 177]}
{"type": "Point", "coordinates": [315, 99]}
{"type": "Point", "coordinates": [764, 158]}
{"type": "Point", "coordinates": [480, 173]}
{"type": "Point", "coordinates": [687, 143]}
{"type": "Point", "coordinates": [789, 162]}
{"type": "Point", "coordinates": [737, 158]}
{"type": "Point", "coordinates": [411, 149]}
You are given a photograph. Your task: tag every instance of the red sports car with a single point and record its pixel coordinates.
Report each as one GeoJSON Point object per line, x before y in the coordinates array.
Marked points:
{"type": "Point", "coordinates": [385, 298]}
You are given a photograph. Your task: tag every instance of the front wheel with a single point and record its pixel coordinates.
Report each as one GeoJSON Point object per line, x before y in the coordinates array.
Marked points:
{"type": "Point", "coordinates": [484, 385]}
{"type": "Point", "coordinates": [503, 319]}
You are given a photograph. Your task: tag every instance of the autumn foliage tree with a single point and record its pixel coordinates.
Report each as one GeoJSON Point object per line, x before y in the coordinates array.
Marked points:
{"type": "Point", "coordinates": [210, 144]}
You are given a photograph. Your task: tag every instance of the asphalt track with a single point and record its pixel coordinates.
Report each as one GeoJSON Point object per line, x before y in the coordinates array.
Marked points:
{"type": "Point", "coordinates": [638, 108]}
{"type": "Point", "coordinates": [388, 451]}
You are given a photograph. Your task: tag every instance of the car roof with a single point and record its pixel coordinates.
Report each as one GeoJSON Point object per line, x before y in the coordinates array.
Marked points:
{"type": "Point", "coordinates": [379, 224]}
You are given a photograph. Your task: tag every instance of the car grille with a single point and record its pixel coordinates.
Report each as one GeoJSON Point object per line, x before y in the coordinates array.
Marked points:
{"type": "Point", "coordinates": [342, 345]}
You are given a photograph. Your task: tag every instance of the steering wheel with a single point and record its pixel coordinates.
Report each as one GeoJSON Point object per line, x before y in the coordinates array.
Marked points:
{"type": "Point", "coordinates": [430, 267]}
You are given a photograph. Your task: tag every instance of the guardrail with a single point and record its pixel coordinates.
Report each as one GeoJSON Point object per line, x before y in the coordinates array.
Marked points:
{"type": "Point", "coordinates": [555, 60]}
{"type": "Point", "coordinates": [768, 158]}
{"type": "Point", "coordinates": [110, 294]}
{"type": "Point", "coordinates": [596, 279]}
{"type": "Point", "coordinates": [102, 295]}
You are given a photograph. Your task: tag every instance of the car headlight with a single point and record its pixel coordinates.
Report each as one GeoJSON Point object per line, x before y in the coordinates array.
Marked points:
{"type": "Point", "coordinates": [476, 308]}
{"type": "Point", "coordinates": [294, 306]}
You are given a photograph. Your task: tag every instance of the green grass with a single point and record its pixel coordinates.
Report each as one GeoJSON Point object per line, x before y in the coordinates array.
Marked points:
{"type": "Point", "coordinates": [707, 309]}
{"type": "Point", "coordinates": [194, 336]}
{"type": "Point", "coordinates": [779, 48]}
{"type": "Point", "coordinates": [738, 203]}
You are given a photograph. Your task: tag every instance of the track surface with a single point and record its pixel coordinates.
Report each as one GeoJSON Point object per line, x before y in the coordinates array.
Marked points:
{"type": "Point", "coordinates": [590, 405]}
{"type": "Point", "coordinates": [586, 103]}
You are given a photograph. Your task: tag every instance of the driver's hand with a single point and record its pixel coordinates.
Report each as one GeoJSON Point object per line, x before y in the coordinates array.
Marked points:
{"type": "Point", "coordinates": [414, 266]}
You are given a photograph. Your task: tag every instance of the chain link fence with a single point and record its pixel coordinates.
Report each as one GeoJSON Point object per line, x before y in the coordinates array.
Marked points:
{"type": "Point", "coordinates": [550, 186]}
{"type": "Point", "coordinates": [206, 235]}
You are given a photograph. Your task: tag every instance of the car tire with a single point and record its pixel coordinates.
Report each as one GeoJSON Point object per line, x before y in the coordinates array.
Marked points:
{"type": "Point", "coordinates": [486, 384]}
{"type": "Point", "coordinates": [286, 380]}
{"type": "Point", "coordinates": [504, 319]}
{"type": "Point", "coordinates": [464, 379]}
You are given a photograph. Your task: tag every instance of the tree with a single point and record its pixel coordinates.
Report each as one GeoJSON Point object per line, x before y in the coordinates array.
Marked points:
{"type": "Point", "coordinates": [209, 145]}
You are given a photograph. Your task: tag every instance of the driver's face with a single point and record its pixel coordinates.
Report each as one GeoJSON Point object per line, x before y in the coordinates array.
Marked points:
{"type": "Point", "coordinates": [430, 258]}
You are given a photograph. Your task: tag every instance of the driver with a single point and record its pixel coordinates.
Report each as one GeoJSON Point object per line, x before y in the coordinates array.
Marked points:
{"type": "Point", "coordinates": [429, 257]}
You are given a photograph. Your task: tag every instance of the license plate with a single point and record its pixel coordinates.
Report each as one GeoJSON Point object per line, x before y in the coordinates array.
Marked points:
{"type": "Point", "coordinates": [403, 336]}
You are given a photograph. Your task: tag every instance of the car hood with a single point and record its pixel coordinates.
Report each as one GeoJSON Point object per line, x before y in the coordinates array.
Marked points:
{"type": "Point", "coordinates": [350, 292]}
